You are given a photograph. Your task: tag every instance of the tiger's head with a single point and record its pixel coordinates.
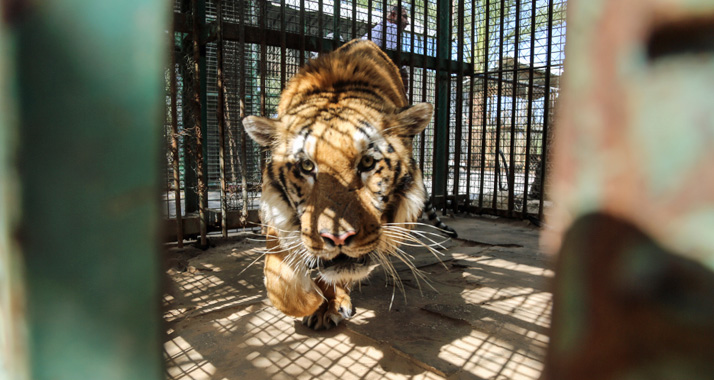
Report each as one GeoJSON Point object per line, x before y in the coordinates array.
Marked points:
{"type": "Point", "coordinates": [341, 170]}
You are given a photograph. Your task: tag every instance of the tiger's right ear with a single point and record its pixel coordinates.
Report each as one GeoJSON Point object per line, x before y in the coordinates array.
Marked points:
{"type": "Point", "coordinates": [261, 129]}
{"type": "Point", "coordinates": [413, 119]}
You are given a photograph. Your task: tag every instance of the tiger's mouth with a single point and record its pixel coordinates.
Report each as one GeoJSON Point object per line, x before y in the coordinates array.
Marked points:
{"type": "Point", "coordinates": [342, 261]}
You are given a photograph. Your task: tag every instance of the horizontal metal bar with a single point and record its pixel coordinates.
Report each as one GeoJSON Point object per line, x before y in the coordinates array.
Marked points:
{"type": "Point", "coordinates": [500, 212]}
{"type": "Point", "coordinates": [256, 35]}
{"type": "Point", "coordinates": [296, 41]}
{"type": "Point", "coordinates": [191, 225]}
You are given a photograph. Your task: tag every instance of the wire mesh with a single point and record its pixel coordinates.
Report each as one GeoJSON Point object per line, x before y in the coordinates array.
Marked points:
{"type": "Point", "coordinates": [504, 64]}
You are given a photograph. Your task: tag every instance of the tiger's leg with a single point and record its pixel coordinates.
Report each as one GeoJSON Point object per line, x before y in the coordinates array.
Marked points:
{"type": "Point", "coordinates": [337, 307]}
{"type": "Point", "coordinates": [290, 289]}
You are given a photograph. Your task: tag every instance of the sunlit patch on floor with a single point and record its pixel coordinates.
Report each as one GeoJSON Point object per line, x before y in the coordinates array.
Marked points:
{"type": "Point", "coordinates": [484, 315]}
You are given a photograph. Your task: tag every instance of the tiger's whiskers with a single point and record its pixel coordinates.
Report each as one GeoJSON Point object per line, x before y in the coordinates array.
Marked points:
{"type": "Point", "coordinates": [406, 234]}
{"type": "Point", "coordinates": [394, 236]}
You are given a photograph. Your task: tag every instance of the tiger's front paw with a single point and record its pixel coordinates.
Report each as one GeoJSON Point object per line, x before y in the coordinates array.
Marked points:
{"type": "Point", "coordinates": [330, 314]}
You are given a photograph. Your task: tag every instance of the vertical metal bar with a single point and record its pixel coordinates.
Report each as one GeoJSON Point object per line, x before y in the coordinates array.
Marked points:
{"type": "Point", "coordinates": [232, 141]}
{"type": "Point", "coordinates": [320, 26]}
{"type": "Point", "coordinates": [198, 122]}
{"type": "Point", "coordinates": [443, 84]}
{"type": "Point", "coordinates": [221, 118]}
{"type": "Point", "coordinates": [354, 19]}
{"type": "Point", "coordinates": [262, 24]}
{"type": "Point", "coordinates": [472, 84]}
{"type": "Point", "coordinates": [459, 105]}
{"type": "Point", "coordinates": [189, 175]}
{"type": "Point", "coordinates": [243, 167]}
{"type": "Point", "coordinates": [336, 24]}
{"type": "Point", "coordinates": [529, 112]}
{"type": "Point", "coordinates": [484, 121]}
{"type": "Point", "coordinates": [383, 44]}
{"type": "Point", "coordinates": [241, 112]}
{"type": "Point", "coordinates": [174, 144]}
{"type": "Point", "coordinates": [167, 191]}
{"type": "Point", "coordinates": [369, 20]}
{"type": "Point", "coordinates": [283, 43]}
{"type": "Point", "coordinates": [422, 141]}
{"type": "Point", "coordinates": [302, 32]}
{"type": "Point", "coordinates": [546, 110]}
{"type": "Point", "coordinates": [514, 105]}
{"type": "Point", "coordinates": [232, 144]}
{"type": "Point", "coordinates": [497, 171]}
{"type": "Point", "coordinates": [411, 56]}
{"type": "Point", "coordinates": [398, 56]}
{"type": "Point", "coordinates": [447, 144]}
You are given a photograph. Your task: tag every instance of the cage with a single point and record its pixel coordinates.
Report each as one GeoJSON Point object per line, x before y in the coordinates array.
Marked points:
{"type": "Point", "coordinates": [491, 68]}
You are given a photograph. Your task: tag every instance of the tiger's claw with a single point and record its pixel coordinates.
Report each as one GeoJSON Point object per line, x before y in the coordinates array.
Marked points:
{"type": "Point", "coordinates": [329, 315]}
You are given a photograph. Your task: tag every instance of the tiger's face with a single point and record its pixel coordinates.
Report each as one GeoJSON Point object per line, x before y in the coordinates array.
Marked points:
{"type": "Point", "coordinates": [338, 177]}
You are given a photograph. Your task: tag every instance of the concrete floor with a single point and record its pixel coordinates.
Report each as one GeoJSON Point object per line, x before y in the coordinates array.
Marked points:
{"type": "Point", "coordinates": [486, 318]}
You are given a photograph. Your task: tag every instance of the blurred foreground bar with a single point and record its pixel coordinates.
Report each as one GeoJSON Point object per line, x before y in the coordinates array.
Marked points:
{"type": "Point", "coordinates": [81, 102]}
{"type": "Point", "coordinates": [634, 182]}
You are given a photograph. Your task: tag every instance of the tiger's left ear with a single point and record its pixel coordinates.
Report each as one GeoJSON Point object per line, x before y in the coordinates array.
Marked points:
{"type": "Point", "coordinates": [410, 121]}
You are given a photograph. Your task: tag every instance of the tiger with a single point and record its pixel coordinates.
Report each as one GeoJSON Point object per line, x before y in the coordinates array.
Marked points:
{"type": "Point", "coordinates": [341, 189]}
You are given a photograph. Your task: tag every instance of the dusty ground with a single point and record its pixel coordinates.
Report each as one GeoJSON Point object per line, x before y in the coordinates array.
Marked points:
{"type": "Point", "coordinates": [486, 317]}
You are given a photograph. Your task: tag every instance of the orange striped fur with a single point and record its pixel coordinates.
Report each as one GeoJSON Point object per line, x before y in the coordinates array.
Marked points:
{"type": "Point", "coordinates": [341, 171]}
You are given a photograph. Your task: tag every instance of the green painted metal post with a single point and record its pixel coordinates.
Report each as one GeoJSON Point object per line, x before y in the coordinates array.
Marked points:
{"type": "Point", "coordinates": [13, 338]}
{"type": "Point", "coordinates": [443, 84]}
{"type": "Point", "coordinates": [89, 98]}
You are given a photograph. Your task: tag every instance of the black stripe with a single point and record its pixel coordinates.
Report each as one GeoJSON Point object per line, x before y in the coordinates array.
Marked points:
{"type": "Point", "coordinates": [281, 191]}
{"type": "Point", "coordinates": [436, 221]}
{"type": "Point", "coordinates": [427, 204]}
{"type": "Point", "coordinates": [339, 88]}
{"type": "Point", "coordinates": [377, 150]}
{"type": "Point", "coordinates": [303, 104]}
{"type": "Point", "coordinates": [363, 126]}
{"type": "Point", "coordinates": [405, 184]}
{"type": "Point", "coordinates": [296, 171]}
{"type": "Point", "coordinates": [284, 191]}
{"type": "Point", "coordinates": [397, 172]}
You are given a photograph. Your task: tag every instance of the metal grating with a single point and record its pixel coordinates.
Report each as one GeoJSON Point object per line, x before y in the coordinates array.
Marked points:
{"type": "Point", "coordinates": [502, 67]}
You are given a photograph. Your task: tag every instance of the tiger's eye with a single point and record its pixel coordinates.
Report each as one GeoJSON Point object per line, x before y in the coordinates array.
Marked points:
{"type": "Point", "coordinates": [307, 166]}
{"type": "Point", "coordinates": [366, 163]}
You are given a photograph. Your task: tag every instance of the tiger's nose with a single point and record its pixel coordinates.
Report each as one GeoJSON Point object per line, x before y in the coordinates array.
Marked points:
{"type": "Point", "coordinates": [337, 241]}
